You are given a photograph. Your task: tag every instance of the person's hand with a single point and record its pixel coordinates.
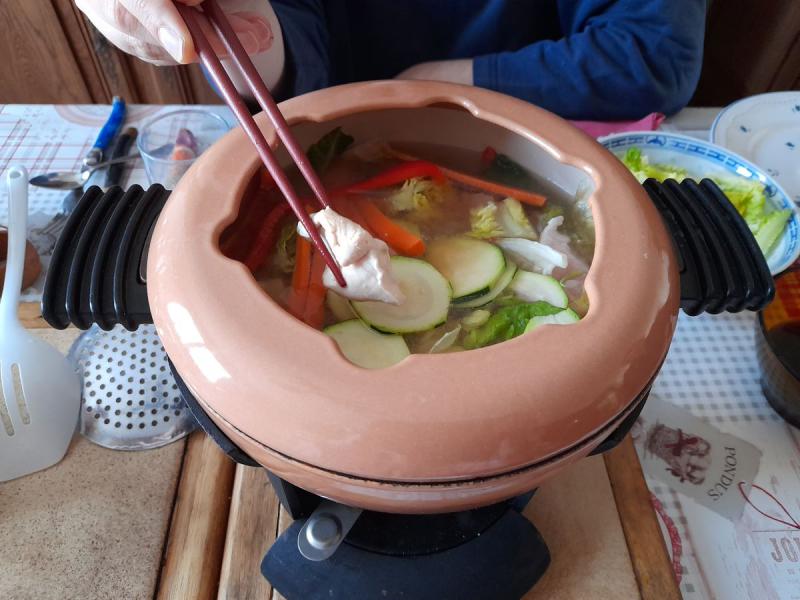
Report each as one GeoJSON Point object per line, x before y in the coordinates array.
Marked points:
{"type": "Point", "coordinates": [154, 31]}
{"type": "Point", "coordinates": [454, 71]}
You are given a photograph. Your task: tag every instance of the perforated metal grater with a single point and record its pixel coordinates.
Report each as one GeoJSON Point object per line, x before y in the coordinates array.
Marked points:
{"type": "Point", "coordinates": [130, 399]}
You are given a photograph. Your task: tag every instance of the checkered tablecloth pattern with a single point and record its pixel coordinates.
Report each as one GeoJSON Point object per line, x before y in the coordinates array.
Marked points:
{"type": "Point", "coordinates": [712, 371]}
{"type": "Point", "coordinates": [46, 138]}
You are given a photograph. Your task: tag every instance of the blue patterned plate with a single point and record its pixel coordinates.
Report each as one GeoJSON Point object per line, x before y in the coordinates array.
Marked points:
{"type": "Point", "coordinates": [702, 159]}
{"type": "Point", "coordinates": [766, 130]}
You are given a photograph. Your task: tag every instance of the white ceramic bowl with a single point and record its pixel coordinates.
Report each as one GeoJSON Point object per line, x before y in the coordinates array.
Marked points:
{"type": "Point", "coordinates": [703, 159]}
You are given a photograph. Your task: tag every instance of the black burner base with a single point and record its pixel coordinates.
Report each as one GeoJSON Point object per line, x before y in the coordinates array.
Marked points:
{"type": "Point", "coordinates": [501, 562]}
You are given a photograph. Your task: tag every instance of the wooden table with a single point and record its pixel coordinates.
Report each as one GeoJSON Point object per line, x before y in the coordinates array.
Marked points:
{"type": "Point", "coordinates": [203, 525]}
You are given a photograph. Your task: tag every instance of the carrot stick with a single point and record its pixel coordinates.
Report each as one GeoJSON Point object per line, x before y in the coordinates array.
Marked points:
{"type": "Point", "coordinates": [347, 208]}
{"type": "Point", "coordinates": [481, 184]}
{"type": "Point", "coordinates": [300, 277]}
{"type": "Point", "coordinates": [398, 238]}
{"type": "Point", "coordinates": [495, 188]}
{"type": "Point", "coordinates": [314, 310]}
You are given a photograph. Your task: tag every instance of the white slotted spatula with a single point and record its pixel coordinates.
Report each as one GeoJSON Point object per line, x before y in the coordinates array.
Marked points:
{"type": "Point", "coordinates": [40, 396]}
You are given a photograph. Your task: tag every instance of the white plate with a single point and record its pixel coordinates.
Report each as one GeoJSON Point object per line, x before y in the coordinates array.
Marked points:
{"type": "Point", "coordinates": [702, 159]}
{"type": "Point", "coordinates": [766, 130]}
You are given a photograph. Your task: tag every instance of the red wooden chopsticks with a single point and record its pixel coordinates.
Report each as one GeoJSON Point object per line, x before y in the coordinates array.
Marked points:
{"type": "Point", "coordinates": [211, 61]}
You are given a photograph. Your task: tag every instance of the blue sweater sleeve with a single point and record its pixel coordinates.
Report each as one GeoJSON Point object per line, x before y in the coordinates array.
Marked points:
{"type": "Point", "coordinates": [619, 59]}
{"type": "Point", "coordinates": [305, 40]}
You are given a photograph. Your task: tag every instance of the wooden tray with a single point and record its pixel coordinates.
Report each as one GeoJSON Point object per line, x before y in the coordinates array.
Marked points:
{"type": "Point", "coordinates": [596, 518]}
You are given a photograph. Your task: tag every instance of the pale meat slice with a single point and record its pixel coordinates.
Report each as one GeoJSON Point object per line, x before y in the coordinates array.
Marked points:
{"type": "Point", "coordinates": [364, 260]}
{"type": "Point", "coordinates": [552, 237]}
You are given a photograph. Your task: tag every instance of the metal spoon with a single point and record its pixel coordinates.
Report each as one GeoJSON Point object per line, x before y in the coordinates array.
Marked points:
{"type": "Point", "coordinates": [70, 180]}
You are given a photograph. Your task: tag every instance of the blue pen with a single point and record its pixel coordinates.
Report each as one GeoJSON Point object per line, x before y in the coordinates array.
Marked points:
{"type": "Point", "coordinates": [107, 133]}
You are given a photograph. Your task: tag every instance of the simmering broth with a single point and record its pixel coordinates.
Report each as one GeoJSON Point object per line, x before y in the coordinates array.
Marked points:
{"type": "Point", "coordinates": [483, 249]}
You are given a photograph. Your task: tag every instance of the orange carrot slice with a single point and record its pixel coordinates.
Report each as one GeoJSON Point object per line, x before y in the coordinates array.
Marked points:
{"type": "Point", "coordinates": [314, 310]}
{"type": "Point", "coordinates": [347, 208]}
{"type": "Point", "coordinates": [495, 188]}
{"type": "Point", "coordinates": [397, 237]}
{"type": "Point", "coordinates": [300, 278]}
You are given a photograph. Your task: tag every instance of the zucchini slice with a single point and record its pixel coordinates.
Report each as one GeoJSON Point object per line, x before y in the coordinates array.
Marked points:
{"type": "Point", "coordinates": [365, 347]}
{"type": "Point", "coordinates": [533, 287]}
{"type": "Point", "coordinates": [340, 306]}
{"type": "Point", "coordinates": [471, 266]}
{"type": "Point", "coordinates": [499, 286]}
{"type": "Point", "coordinates": [565, 317]}
{"type": "Point", "coordinates": [427, 300]}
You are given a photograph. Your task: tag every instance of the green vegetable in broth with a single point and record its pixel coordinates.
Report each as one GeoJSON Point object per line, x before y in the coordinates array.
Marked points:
{"type": "Point", "coordinates": [475, 319]}
{"type": "Point", "coordinates": [329, 147]}
{"type": "Point", "coordinates": [565, 317]}
{"type": "Point", "coordinates": [550, 211]}
{"type": "Point", "coordinates": [463, 289]}
{"type": "Point", "coordinates": [507, 323]}
{"type": "Point", "coordinates": [497, 288]}
{"type": "Point", "coordinates": [504, 170]}
{"type": "Point", "coordinates": [419, 197]}
{"type": "Point", "coordinates": [285, 248]}
{"type": "Point", "coordinates": [483, 222]}
{"type": "Point", "coordinates": [514, 221]}
{"type": "Point", "coordinates": [504, 219]}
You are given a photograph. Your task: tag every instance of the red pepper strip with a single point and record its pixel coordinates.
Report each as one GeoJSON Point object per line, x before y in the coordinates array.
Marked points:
{"type": "Point", "coordinates": [239, 237]}
{"type": "Point", "coordinates": [488, 155]}
{"type": "Point", "coordinates": [399, 174]}
{"type": "Point", "coordinates": [265, 181]}
{"type": "Point", "coordinates": [267, 236]}
{"type": "Point", "coordinates": [476, 182]}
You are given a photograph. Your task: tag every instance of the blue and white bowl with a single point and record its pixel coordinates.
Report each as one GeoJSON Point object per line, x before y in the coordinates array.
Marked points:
{"type": "Point", "coordinates": [703, 159]}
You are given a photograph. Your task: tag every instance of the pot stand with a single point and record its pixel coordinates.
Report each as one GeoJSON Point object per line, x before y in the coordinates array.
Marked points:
{"type": "Point", "coordinates": [492, 552]}
{"type": "Point", "coordinates": [500, 562]}
{"type": "Point", "coordinates": [97, 276]}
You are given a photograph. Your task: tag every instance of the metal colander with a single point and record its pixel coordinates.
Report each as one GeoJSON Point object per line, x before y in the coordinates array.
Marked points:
{"type": "Point", "coordinates": [130, 399]}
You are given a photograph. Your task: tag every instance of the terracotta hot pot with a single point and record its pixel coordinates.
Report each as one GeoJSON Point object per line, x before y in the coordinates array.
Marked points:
{"type": "Point", "coordinates": [435, 432]}
{"type": "Point", "coordinates": [441, 432]}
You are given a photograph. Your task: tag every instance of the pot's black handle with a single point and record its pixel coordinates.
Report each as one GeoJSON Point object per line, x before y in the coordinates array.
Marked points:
{"type": "Point", "coordinates": [721, 266]}
{"type": "Point", "coordinates": [94, 274]}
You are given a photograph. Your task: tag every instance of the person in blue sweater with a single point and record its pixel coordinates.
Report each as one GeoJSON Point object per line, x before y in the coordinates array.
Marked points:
{"type": "Point", "coordinates": [582, 59]}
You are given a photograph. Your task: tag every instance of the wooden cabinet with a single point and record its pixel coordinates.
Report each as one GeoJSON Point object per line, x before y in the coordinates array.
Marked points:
{"type": "Point", "coordinates": [52, 54]}
{"type": "Point", "coordinates": [752, 46]}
